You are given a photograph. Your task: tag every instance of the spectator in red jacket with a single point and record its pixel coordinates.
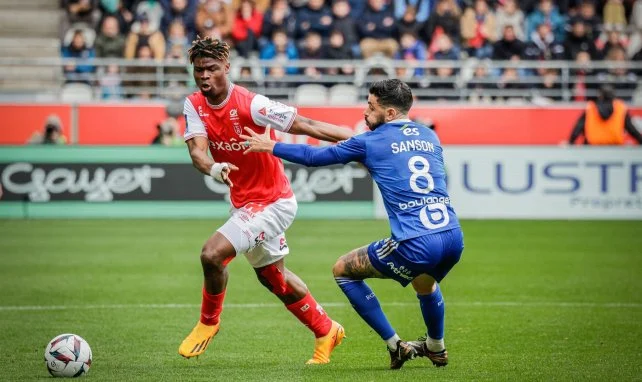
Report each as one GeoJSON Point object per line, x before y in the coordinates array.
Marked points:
{"type": "Point", "coordinates": [247, 28]}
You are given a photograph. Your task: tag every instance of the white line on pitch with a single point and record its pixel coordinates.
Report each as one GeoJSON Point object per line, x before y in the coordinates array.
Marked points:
{"type": "Point", "coordinates": [327, 304]}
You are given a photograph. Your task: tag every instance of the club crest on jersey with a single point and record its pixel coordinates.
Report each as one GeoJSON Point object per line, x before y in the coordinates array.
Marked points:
{"type": "Point", "coordinates": [237, 128]}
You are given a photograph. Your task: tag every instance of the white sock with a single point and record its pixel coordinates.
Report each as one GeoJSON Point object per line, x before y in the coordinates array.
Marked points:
{"type": "Point", "coordinates": [392, 342]}
{"type": "Point", "coordinates": [435, 345]}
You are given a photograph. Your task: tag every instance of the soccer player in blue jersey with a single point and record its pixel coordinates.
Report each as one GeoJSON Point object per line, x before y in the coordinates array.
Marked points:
{"type": "Point", "coordinates": [405, 160]}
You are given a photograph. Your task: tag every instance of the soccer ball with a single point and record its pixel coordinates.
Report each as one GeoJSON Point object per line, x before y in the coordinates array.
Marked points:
{"type": "Point", "coordinates": [68, 355]}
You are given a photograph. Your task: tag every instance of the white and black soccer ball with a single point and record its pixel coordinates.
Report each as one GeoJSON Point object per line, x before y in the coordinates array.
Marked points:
{"type": "Point", "coordinates": [68, 355]}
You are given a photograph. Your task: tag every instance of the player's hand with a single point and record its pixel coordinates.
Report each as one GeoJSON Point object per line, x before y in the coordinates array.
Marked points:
{"type": "Point", "coordinates": [221, 172]}
{"type": "Point", "coordinates": [258, 143]}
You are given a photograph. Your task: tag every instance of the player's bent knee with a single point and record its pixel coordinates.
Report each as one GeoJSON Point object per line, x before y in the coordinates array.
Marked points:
{"type": "Point", "coordinates": [213, 257]}
{"type": "Point", "coordinates": [272, 278]}
{"type": "Point", "coordinates": [338, 270]}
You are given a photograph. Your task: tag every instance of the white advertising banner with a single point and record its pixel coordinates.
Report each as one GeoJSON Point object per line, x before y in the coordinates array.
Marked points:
{"type": "Point", "coordinates": [511, 182]}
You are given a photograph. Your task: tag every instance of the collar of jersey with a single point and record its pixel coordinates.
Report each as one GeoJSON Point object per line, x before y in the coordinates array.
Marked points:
{"type": "Point", "coordinates": [225, 101]}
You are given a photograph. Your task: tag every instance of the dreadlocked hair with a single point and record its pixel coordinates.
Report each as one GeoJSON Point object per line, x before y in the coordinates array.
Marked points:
{"type": "Point", "coordinates": [209, 47]}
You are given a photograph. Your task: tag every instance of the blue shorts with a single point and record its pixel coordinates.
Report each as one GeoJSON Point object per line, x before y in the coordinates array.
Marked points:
{"type": "Point", "coordinates": [434, 254]}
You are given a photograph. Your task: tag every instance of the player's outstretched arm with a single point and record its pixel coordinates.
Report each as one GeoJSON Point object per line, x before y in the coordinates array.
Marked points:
{"type": "Point", "coordinates": [296, 153]}
{"type": "Point", "coordinates": [197, 147]}
{"type": "Point", "coordinates": [320, 130]}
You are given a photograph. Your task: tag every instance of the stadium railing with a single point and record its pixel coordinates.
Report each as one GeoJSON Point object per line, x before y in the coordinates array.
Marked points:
{"type": "Point", "coordinates": [39, 79]}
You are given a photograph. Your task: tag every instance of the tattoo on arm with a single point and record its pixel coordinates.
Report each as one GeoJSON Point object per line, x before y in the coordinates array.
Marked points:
{"type": "Point", "coordinates": [357, 265]}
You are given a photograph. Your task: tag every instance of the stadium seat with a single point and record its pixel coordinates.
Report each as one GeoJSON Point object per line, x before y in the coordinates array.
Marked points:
{"type": "Point", "coordinates": [343, 94]}
{"type": "Point", "coordinates": [76, 92]}
{"type": "Point", "coordinates": [311, 94]}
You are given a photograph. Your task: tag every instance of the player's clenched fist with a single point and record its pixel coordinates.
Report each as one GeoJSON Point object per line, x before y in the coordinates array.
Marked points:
{"type": "Point", "coordinates": [220, 171]}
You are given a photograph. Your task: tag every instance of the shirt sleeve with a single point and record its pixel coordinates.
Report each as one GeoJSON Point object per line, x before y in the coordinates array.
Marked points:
{"type": "Point", "coordinates": [267, 112]}
{"type": "Point", "coordinates": [193, 125]}
{"type": "Point", "coordinates": [352, 150]}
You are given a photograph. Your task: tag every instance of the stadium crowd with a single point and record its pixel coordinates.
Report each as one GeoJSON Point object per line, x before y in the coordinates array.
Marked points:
{"type": "Point", "coordinates": [580, 31]}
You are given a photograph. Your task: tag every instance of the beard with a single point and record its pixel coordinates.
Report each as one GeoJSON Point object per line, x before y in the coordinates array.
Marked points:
{"type": "Point", "coordinates": [372, 126]}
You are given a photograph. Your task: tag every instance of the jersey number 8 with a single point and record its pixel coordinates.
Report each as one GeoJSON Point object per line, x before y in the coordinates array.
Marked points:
{"type": "Point", "coordinates": [434, 215]}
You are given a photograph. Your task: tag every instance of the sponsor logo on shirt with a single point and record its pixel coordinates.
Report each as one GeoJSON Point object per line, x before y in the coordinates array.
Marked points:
{"type": "Point", "coordinates": [263, 111]}
{"type": "Point", "coordinates": [276, 116]}
{"type": "Point", "coordinates": [259, 239]}
{"type": "Point", "coordinates": [200, 112]}
{"type": "Point", "coordinates": [402, 271]}
{"type": "Point", "coordinates": [233, 145]}
{"type": "Point", "coordinates": [234, 114]}
{"type": "Point", "coordinates": [282, 244]}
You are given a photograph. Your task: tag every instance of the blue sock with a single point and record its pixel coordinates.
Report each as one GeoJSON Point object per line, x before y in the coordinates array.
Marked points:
{"type": "Point", "coordinates": [365, 302]}
{"type": "Point", "coordinates": [433, 310]}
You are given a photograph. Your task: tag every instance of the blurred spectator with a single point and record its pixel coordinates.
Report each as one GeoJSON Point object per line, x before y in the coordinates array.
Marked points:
{"type": "Point", "coordinates": [478, 30]}
{"type": "Point", "coordinates": [605, 121]}
{"type": "Point", "coordinates": [78, 49]}
{"type": "Point", "coordinates": [79, 11]}
{"type": "Point", "coordinates": [546, 13]}
{"type": "Point", "coordinates": [543, 45]}
{"type": "Point", "coordinates": [509, 45]}
{"type": "Point", "coordinates": [109, 42]}
{"type": "Point", "coordinates": [481, 83]}
{"type": "Point", "coordinates": [591, 20]}
{"type": "Point", "coordinates": [409, 23]}
{"type": "Point", "coordinates": [214, 14]}
{"type": "Point", "coordinates": [176, 72]}
{"type": "Point", "coordinates": [635, 26]}
{"type": "Point", "coordinates": [344, 22]}
{"type": "Point", "coordinates": [613, 15]}
{"type": "Point", "coordinates": [246, 29]}
{"type": "Point", "coordinates": [51, 134]}
{"type": "Point", "coordinates": [583, 75]}
{"type": "Point", "coordinates": [412, 51]}
{"type": "Point", "coordinates": [511, 84]}
{"type": "Point", "coordinates": [337, 49]}
{"type": "Point", "coordinates": [142, 34]}
{"type": "Point", "coordinates": [375, 27]}
{"type": "Point", "coordinates": [183, 11]}
{"type": "Point", "coordinates": [508, 13]}
{"type": "Point", "coordinates": [620, 77]}
{"type": "Point", "coordinates": [609, 39]}
{"type": "Point", "coordinates": [358, 7]}
{"type": "Point", "coordinates": [124, 15]}
{"type": "Point", "coordinates": [278, 16]}
{"type": "Point", "coordinates": [110, 84]}
{"type": "Point", "coordinates": [261, 5]}
{"type": "Point", "coordinates": [442, 85]}
{"type": "Point", "coordinates": [445, 19]}
{"type": "Point", "coordinates": [578, 40]}
{"type": "Point", "coordinates": [142, 76]}
{"type": "Point", "coordinates": [313, 50]}
{"type": "Point", "coordinates": [281, 49]}
{"type": "Point", "coordinates": [168, 133]}
{"type": "Point", "coordinates": [549, 89]}
{"type": "Point", "coordinates": [445, 49]}
{"type": "Point", "coordinates": [153, 11]}
{"type": "Point", "coordinates": [420, 7]}
{"type": "Point", "coordinates": [176, 36]}
{"type": "Point", "coordinates": [315, 17]}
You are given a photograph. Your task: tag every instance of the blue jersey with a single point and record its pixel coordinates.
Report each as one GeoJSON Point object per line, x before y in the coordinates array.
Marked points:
{"type": "Point", "coordinates": [405, 160]}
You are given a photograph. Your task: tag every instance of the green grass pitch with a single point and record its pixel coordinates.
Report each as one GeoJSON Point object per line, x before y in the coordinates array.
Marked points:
{"type": "Point", "coordinates": [545, 300]}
